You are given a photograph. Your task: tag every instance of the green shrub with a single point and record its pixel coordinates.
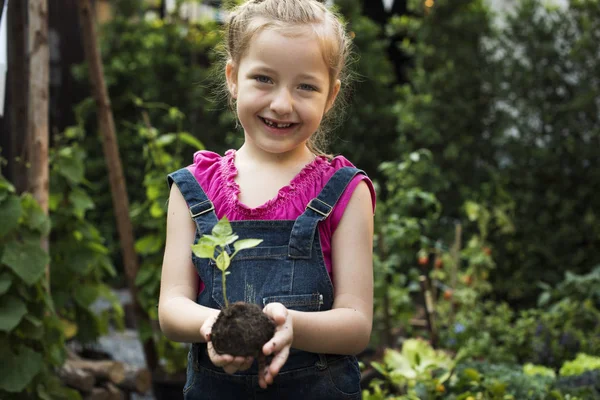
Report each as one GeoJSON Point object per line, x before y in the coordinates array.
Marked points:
{"type": "Point", "coordinates": [81, 263]}
{"type": "Point", "coordinates": [31, 333]}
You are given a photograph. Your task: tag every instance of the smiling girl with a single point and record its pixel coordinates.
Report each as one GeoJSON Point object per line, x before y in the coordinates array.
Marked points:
{"type": "Point", "coordinates": [313, 271]}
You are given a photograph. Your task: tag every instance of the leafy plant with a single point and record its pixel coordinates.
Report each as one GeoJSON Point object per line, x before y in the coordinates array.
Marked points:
{"type": "Point", "coordinates": [216, 246]}
{"type": "Point", "coordinates": [162, 153]}
{"type": "Point", "coordinates": [405, 215]}
{"type": "Point", "coordinates": [579, 365]}
{"type": "Point", "coordinates": [577, 287]}
{"type": "Point", "coordinates": [81, 262]}
{"type": "Point", "coordinates": [31, 333]}
{"type": "Point", "coordinates": [414, 369]}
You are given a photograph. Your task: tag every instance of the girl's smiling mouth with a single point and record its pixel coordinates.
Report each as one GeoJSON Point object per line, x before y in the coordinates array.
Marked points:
{"type": "Point", "coordinates": [277, 125]}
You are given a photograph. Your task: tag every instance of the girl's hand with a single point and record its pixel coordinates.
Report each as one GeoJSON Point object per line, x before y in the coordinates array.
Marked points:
{"type": "Point", "coordinates": [279, 345]}
{"type": "Point", "coordinates": [229, 363]}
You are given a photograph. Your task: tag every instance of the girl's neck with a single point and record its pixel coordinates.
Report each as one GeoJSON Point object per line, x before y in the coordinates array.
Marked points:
{"type": "Point", "coordinates": [249, 155]}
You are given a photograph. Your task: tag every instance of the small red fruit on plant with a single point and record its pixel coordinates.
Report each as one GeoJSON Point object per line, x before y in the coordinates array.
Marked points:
{"type": "Point", "coordinates": [487, 251]}
{"type": "Point", "coordinates": [438, 263]}
{"type": "Point", "coordinates": [422, 257]}
{"type": "Point", "coordinates": [448, 294]}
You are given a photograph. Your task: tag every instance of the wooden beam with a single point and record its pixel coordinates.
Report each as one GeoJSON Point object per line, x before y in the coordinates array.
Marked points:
{"type": "Point", "coordinates": [115, 170]}
{"type": "Point", "coordinates": [38, 99]}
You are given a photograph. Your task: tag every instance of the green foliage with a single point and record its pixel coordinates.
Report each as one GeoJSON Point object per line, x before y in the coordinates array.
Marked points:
{"type": "Point", "coordinates": [417, 362]}
{"type": "Point", "coordinates": [31, 337]}
{"type": "Point", "coordinates": [543, 336]}
{"type": "Point", "coordinates": [216, 247]}
{"type": "Point", "coordinates": [548, 113]}
{"type": "Point", "coordinates": [369, 117]}
{"type": "Point", "coordinates": [81, 262]}
{"type": "Point", "coordinates": [532, 369]}
{"type": "Point", "coordinates": [585, 386]}
{"type": "Point", "coordinates": [512, 121]}
{"type": "Point", "coordinates": [501, 381]}
{"type": "Point", "coordinates": [402, 222]}
{"type": "Point", "coordinates": [582, 363]}
{"type": "Point", "coordinates": [420, 372]}
{"type": "Point", "coordinates": [443, 106]}
{"type": "Point", "coordinates": [577, 287]}
{"type": "Point", "coordinates": [162, 153]}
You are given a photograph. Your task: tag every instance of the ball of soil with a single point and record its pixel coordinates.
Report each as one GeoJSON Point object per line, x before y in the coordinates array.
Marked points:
{"type": "Point", "coordinates": [241, 330]}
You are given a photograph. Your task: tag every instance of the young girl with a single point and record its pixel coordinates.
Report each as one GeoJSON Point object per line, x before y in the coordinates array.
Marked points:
{"type": "Point", "coordinates": [313, 271]}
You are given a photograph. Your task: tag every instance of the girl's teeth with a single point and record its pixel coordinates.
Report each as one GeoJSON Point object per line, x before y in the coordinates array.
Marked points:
{"type": "Point", "coordinates": [276, 125]}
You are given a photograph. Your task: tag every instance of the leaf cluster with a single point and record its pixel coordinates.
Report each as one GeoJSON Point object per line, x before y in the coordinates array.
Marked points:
{"type": "Point", "coordinates": [31, 333]}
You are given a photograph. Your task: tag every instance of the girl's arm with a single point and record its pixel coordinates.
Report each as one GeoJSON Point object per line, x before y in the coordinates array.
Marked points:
{"type": "Point", "coordinates": [180, 317]}
{"type": "Point", "coordinates": [346, 328]}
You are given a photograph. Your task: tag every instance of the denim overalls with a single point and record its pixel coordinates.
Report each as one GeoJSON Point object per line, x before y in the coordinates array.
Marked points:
{"type": "Point", "coordinates": [287, 267]}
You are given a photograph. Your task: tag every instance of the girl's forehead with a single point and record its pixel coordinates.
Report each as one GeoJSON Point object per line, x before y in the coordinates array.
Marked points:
{"type": "Point", "coordinates": [287, 47]}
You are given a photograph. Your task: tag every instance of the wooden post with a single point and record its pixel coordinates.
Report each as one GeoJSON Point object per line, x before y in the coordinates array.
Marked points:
{"type": "Point", "coordinates": [38, 132]}
{"type": "Point", "coordinates": [429, 309]}
{"type": "Point", "coordinates": [455, 253]}
{"type": "Point", "coordinates": [115, 171]}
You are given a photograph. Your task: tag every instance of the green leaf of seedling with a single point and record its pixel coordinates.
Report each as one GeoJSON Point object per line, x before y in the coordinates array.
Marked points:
{"type": "Point", "coordinates": [204, 249]}
{"type": "Point", "coordinates": [220, 241]}
{"type": "Point", "coordinates": [246, 244]}
{"type": "Point", "coordinates": [210, 239]}
{"type": "Point", "coordinates": [222, 228]}
{"type": "Point", "coordinates": [223, 261]}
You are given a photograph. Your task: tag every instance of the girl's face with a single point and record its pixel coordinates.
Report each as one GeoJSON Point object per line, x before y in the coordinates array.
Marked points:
{"type": "Point", "coordinates": [282, 90]}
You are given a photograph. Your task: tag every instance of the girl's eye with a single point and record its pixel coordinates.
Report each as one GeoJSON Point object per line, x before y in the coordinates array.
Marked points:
{"type": "Point", "coordinates": [262, 79]}
{"type": "Point", "coordinates": [310, 88]}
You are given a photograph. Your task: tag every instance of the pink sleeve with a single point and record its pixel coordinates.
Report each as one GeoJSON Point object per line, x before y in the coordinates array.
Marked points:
{"type": "Point", "coordinates": [340, 207]}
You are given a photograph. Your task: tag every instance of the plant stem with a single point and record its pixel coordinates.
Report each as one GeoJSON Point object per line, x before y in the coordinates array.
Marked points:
{"type": "Point", "coordinates": [224, 288]}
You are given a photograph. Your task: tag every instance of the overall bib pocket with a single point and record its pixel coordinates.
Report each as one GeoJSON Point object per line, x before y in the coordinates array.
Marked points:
{"type": "Point", "coordinates": [298, 302]}
{"type": "Point", "coordinates": [253, 274]}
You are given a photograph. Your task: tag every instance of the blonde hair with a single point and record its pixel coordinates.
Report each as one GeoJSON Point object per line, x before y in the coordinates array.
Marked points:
{"type": "Point", "coordinates": [254, 16]}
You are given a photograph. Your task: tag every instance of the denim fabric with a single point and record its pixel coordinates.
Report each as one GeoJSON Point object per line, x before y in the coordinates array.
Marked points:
{"type": "Point", "coordinates": [287, 267]}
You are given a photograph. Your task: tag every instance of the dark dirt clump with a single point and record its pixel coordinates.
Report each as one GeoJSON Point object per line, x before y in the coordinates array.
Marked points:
{"type": "Point", "coordinates": [241, 330]}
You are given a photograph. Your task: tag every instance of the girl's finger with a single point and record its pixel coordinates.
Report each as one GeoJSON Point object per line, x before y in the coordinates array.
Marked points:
{"type": "Point", "coordinates": [278, 313]}
{"type": "Point", "coordinates": [235, 365]}
{"type": "Point", "coordinates": [277, 362]}
{"type": "Point", "coordinates": [279, 340]}
{"type": "Point", "coordinates": [218, 359]}
{"type": "Point", "coordinates": [262, 371]}
{"type": "Point", "coordinates": [247, 364]}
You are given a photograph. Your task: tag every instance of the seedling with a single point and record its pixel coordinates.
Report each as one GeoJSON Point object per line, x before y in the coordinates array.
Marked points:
{"type": "Point", "coordinates": [241, 329]}
{"type": "Point", "coordinates": [213, 247]}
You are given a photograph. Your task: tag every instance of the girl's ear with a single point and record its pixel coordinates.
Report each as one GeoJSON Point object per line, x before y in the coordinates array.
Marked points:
{"type": "Point", "coordinates": [333, 95]}
{"type": "Point", "coordinates": [231, 76]}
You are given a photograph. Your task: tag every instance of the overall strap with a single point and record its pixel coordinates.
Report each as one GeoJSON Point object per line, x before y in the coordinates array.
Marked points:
{"type": "Point", "coordinates": [318, 209]}
{"type": "Point", "coordinates": [201, 208]}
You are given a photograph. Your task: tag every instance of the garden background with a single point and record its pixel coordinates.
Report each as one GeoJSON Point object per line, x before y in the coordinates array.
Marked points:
{"type": "Point", "coordinates": [479, 121]}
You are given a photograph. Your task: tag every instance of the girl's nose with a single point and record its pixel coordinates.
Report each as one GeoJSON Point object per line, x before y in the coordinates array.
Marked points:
{"type": "Point", "coordinates": [282, 103]}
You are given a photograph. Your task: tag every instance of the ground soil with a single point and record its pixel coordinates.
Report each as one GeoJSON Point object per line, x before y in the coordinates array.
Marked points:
{"type": "Point", "coordinates": [241, 330]}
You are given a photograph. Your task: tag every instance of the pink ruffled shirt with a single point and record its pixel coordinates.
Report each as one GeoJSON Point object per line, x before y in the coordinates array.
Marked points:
{"type": "Point", "coordinates": [216, 175]}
